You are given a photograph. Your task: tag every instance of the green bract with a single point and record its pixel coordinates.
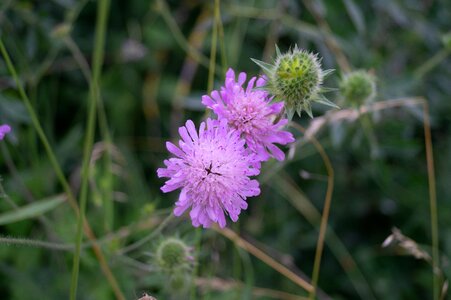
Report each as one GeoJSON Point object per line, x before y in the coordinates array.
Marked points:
{"type": "Point", "coordinates": [296, 78]}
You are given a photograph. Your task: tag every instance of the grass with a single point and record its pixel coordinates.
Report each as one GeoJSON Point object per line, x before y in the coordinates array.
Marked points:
{"type": "Point", "coordinates": [246, 267]}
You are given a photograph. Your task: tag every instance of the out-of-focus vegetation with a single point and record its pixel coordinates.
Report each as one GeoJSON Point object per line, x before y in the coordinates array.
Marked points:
{"type": "Point", "coordinates": [155, 71]}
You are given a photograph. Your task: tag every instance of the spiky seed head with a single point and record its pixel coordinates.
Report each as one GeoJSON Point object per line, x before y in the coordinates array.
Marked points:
{"type": "Point", "coordinates": [296, 78]}
{"type": "Point", "coordinates": [358, 87]}
{"type": "Point", "coordinates": [173, 255]}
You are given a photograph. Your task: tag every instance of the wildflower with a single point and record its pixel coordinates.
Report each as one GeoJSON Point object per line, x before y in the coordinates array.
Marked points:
{"type": "Point", "coordinates": [358, 87]}
{"type": "Point", "coordinates": [250, 112]}
{"type": "Point", "coordinates": [212, 169]}
{"type": "Point", "coordinates": [296, 78]}
{"type": "Point", "coordinates": [4, 129]}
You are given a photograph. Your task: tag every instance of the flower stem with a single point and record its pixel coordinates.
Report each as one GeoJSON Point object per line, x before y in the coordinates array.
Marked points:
{"type": "Point", "coordinates": [238, 241]}
{"type": "Point", "coordinates": [326, 211]}
{"type": "Point", "coordinates": [432, 201]}
{"type": "Point", "coordinates": [35, 243]}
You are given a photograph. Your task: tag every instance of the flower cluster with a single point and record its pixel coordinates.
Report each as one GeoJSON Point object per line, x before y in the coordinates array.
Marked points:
{"type": "Point", "coordinates": [213, 166]}
{"type": "Point", "coordinates": [250, 112]}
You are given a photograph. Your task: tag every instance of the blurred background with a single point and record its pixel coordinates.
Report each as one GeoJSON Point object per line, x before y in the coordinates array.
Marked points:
{"type": "Point", "coordinates": [156, 66]}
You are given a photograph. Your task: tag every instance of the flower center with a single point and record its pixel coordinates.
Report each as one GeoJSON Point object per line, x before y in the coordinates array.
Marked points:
{"type": "Point", "coordinates": [247, 115]}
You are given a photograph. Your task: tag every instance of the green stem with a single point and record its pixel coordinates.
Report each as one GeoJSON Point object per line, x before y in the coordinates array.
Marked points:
{"type": "Point", "coordinates": [36, 123]}
{"type": "Point", "coordinates": [102, 15]}
{"type": "Point", "coordinates": [368, 130]}
{"type": "Point", "coordinates": [432, 201]}
{"type": "Point", "coordinates": [163, 9]}
{"type": "Point", "coordinates": [35, 243]}
{"type": "Point", "coordinates": [104, 132]}
{"type": "Point", "coordinates": [59, 173]}
{"type": "Point", "coordinates": [326, 211]}
{"type": "Point", "coordinates": [214, 43]}
{"type": "Point", "coordinates": [432, 63]}
{"type": "Point", "coordinates": [198, 239]}
{"type": "Point", "coordinates": [149, 237]}
{"type": "Point", "coordinates": [220, 27]}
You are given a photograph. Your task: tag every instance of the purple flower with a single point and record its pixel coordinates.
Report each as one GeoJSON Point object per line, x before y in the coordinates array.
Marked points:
{"type": "Point", "coordinates": [4, 129]}
{"type": "Point", "coordinates": [250, 112]}
{"type": "Point", "coordinates": [212, 170]}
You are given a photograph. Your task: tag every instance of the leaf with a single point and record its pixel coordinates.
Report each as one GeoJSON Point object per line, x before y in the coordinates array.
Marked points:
{"type": "Point", "coordinates": [325, 101]}
{"type": "Point", "coordinates": [325, 89]}
{"type": "Point", "coordinates": [278, 54]}
{"type": "Point", "coordinates": [356, 15]}
{"type": "Point", "coordinates": [308, 110]}
{"type": "Point", "coordinates": [265, 66]}
{"type": "Point", "coordinates": [12, 110]}
{"type": "Point", "coordinates": [290, 113]}
{"type": "Point", "coordinates": [327, 72]}
{"type": "Point", "coordinates": [31, 210]}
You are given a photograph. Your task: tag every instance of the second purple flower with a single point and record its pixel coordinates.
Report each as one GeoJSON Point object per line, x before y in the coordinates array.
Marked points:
{"type": "Point", "coordinates": [250, 112]}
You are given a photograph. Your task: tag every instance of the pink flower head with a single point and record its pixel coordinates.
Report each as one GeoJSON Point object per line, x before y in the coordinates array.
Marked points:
{"type": "Point", "coordinates": [212, 170]}
{"type": "Point", "coordinates": [4, 129]}
{"type": "Point", "coordinates": [250, 112]}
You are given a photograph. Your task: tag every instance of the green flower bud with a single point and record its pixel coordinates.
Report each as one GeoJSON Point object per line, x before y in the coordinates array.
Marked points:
{"type": "Point", "coordinates": [173, 255]}
{"type": "Point", "coordinates": [358, 87]}
{"type": "Point", "coordinates": [296, 78]}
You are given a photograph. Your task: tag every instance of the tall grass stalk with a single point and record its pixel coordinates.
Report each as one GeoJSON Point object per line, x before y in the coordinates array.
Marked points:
{"type": "Point", "coordinates": [8, 240]}
{"type": "Point", "coordinates": [59, 173]}
{"type": "Point", "coordinates": [238, 241]}
{"type": "Point", "coordinates": [326, 210]}
{"type": "Point", "coordinates": [102, 15]}
{"type": "Point", "coordinates": [432, 201]}
{"type": "Point", "coordinates": [163, 9]}
{"type": "Point", "coordinates": [285, 185]}
{"type": "Point", "coordinates": [220, 29]}
{"type": "Point", "coordinates": [214, 44]}
{"type": "Point", "coordinates": [104, 131]}
{"type": "Point", "coordinates": [329, 40]}
{"type": "Point", "coordinates": [351, 114]}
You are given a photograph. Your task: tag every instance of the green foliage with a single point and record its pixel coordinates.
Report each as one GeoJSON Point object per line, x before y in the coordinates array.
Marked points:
{"type": "Point", "coordinates": [155, 71]}
{"type": "Point", "coordinates": [31, 210]}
